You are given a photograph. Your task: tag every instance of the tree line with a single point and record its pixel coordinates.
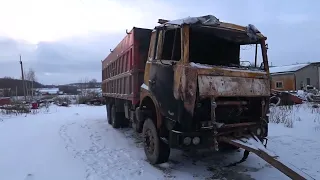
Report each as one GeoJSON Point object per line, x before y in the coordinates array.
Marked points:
{"type": "Point", "coordinates": [10, 86]}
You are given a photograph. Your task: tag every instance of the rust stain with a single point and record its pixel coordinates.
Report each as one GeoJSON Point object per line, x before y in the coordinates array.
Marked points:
{"type": "Point", "coordinates": [217, 82]}
{"type": "Point", "coordinates": [160, 45]}
{"type": "Point", "coordinates": [189, 89]}
{"type": "Point", "coordinates": [185, 42]}
{"type": "Point", "coordinates": [185, 85]}
{"type": "Point", "coordinates": [177, 81]}
{"type": "Point", "coordinates": [232, 86]}
{"type": "Point", "coordinates": [217, 71]}
{"type": "Point", "coordinates": [147, 73]}
{"type": "Point", "coordinates": [238, 28]}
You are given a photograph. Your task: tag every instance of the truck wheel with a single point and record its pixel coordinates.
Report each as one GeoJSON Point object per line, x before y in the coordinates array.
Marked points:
{"type": "Point", "coordinates": [116, 117]}
{"type": "Point", "coordinates": [109, 113]}
{"type": "Point", "coordinates": [156, 150]}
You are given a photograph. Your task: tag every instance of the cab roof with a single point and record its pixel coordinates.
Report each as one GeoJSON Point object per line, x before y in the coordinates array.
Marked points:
{"type": "Point", "coordinates": [213, 22]}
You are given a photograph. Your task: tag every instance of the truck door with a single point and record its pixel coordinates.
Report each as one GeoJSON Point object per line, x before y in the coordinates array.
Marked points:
{"type": "Point", "coordinates": [161, 74]}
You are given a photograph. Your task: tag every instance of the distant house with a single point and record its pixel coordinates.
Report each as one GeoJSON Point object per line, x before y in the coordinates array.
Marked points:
{"type": "Point", "coordinates": [48, 91]}
{"type": "Point", "coordinates": [4, 100]}
{"type": "Point", "coordinates": [295, 77]}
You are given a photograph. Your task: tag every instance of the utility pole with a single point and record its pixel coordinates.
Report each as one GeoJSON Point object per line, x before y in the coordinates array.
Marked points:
{"type": "Point", "coordinates": [23, 83]}
{"type": "Point", "coordinates": [16, 92]}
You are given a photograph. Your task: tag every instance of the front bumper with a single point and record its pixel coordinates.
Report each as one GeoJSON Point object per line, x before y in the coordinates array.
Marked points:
{"type": "Point", "coordinates": [207, 136]}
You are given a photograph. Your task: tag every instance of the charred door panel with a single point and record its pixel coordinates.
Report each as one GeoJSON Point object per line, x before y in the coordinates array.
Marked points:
{"type": "Point", "coordinates": [161, 86]}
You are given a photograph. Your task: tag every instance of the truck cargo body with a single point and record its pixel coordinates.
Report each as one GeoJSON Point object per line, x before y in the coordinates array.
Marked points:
{"type": "Point", "coordinates": [123, 68]}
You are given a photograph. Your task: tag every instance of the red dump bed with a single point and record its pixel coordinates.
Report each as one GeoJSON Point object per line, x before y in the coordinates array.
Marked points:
{"type": "Point", "coordinates": [123, 68]}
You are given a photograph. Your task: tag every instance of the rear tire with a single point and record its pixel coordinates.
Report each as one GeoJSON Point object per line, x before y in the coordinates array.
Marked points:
{"type": "Point", "coordinates": [116, 117]}
{"type": "Point", "coordinates": [109, 113]}
{"type": "Point", "coordinates": [156, 150]}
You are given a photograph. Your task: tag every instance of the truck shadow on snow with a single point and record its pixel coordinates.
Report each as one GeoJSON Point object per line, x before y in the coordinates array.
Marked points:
{"type": "Point", "coordinates": [204, 164]}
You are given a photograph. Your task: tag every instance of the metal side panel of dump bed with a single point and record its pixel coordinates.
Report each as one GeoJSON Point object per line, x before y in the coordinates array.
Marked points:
{"type": "Point", "coordinates": [123, 68]}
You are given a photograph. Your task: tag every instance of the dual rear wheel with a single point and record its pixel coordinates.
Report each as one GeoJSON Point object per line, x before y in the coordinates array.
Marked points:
{"type": "Point", "coordinates": [116, 119]}
{"type": "Point", "coordinates": [155, 149]}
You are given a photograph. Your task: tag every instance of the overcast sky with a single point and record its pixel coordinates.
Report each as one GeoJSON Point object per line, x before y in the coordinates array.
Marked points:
{"type": "Point", "coordinates": [65, 40]}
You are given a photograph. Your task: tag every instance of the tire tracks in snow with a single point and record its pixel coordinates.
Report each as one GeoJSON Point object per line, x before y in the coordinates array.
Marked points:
{"type": "Point", "coordinates": [111, 163]}
{"type": "Point", "coordinates": [102, 162]}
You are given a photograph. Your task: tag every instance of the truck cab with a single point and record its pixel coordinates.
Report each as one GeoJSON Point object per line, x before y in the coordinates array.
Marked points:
{"type": "Point", "coordinates": [196, 89]}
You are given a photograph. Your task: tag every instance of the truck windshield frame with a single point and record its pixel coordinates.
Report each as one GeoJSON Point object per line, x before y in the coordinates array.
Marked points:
{"type": "Point", "coordinates": [221, 47]}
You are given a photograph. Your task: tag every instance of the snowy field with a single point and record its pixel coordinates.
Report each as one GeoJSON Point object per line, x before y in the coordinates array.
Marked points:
{"type": "Point", "coordinates": [77, 143]}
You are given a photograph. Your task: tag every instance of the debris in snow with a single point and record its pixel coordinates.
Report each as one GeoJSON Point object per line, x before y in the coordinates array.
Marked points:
{"type": "Point", "coordinates": [254, 144]}
{"type": "Point", "coordinates": [164, 165]}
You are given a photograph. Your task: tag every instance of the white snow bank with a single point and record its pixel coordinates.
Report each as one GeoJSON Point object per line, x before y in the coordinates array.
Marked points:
{"type": "Point", "coordinates": [77, 143]}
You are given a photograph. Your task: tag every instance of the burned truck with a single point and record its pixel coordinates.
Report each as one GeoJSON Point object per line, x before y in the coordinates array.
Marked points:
{"type": "Point", "coordinates": [183, 85]}
{"type": "Point", "coordinates": [192, 86]}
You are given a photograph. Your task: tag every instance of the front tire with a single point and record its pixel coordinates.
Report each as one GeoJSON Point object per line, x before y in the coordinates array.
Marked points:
{"type": "Point", "coordinates": [156, 150]}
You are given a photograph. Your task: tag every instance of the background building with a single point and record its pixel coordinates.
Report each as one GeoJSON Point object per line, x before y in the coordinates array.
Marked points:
{"type": "Point", "coordinates": [295, 77]}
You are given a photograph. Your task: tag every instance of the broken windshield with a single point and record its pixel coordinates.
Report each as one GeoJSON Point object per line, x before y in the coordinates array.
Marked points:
{"type": "Point", "coordinates": [224, 48]}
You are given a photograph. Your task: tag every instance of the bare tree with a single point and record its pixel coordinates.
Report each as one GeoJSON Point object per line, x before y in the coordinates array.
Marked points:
{"type": "Point", "coordinates": [30, 76]}
{"type": "Point", "coordinates": [83, 86]}
{"type": "Point", "coordinates": [7, 77]}
{"type": "Point", "coordinates": [92, 83]}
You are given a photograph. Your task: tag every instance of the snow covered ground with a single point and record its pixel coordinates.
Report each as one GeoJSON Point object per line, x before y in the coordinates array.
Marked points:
{"type": "Point", "coordinates": [77, 143]}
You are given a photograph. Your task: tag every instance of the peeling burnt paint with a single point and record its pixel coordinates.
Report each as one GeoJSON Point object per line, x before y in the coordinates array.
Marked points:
{"type": "Point", "coordinates": [232, 86]}
{"type": "Point", "coordinates": [185, 86]}
{"type": "Point", "coordinates": [216, 82]}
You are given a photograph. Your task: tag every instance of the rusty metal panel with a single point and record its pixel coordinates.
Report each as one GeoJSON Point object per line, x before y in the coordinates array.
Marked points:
{"type": "Point", "coordinates": [185, 86]}
{"type": "Point", "coordinates": [177, 85]}
{"type": "Point", "coordinates": [185, 42]}
{"type": "Point", "coordinates": [232, 86]}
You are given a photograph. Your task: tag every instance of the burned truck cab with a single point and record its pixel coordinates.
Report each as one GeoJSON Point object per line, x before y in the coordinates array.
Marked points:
{"type": "Point", "coordinates": [199, 88]}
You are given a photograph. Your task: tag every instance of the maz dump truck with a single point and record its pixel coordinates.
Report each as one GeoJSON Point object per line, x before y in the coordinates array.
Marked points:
{"type": "Point", "coordinates": [182, 85]}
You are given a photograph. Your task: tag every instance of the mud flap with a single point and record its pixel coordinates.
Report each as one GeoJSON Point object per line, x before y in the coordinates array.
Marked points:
{"type": "Point", "coordinates": [254, 145]}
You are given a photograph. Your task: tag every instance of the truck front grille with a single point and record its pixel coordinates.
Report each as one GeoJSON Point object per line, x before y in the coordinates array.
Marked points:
{"type": "Point", "coordinates": [229, 110]}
